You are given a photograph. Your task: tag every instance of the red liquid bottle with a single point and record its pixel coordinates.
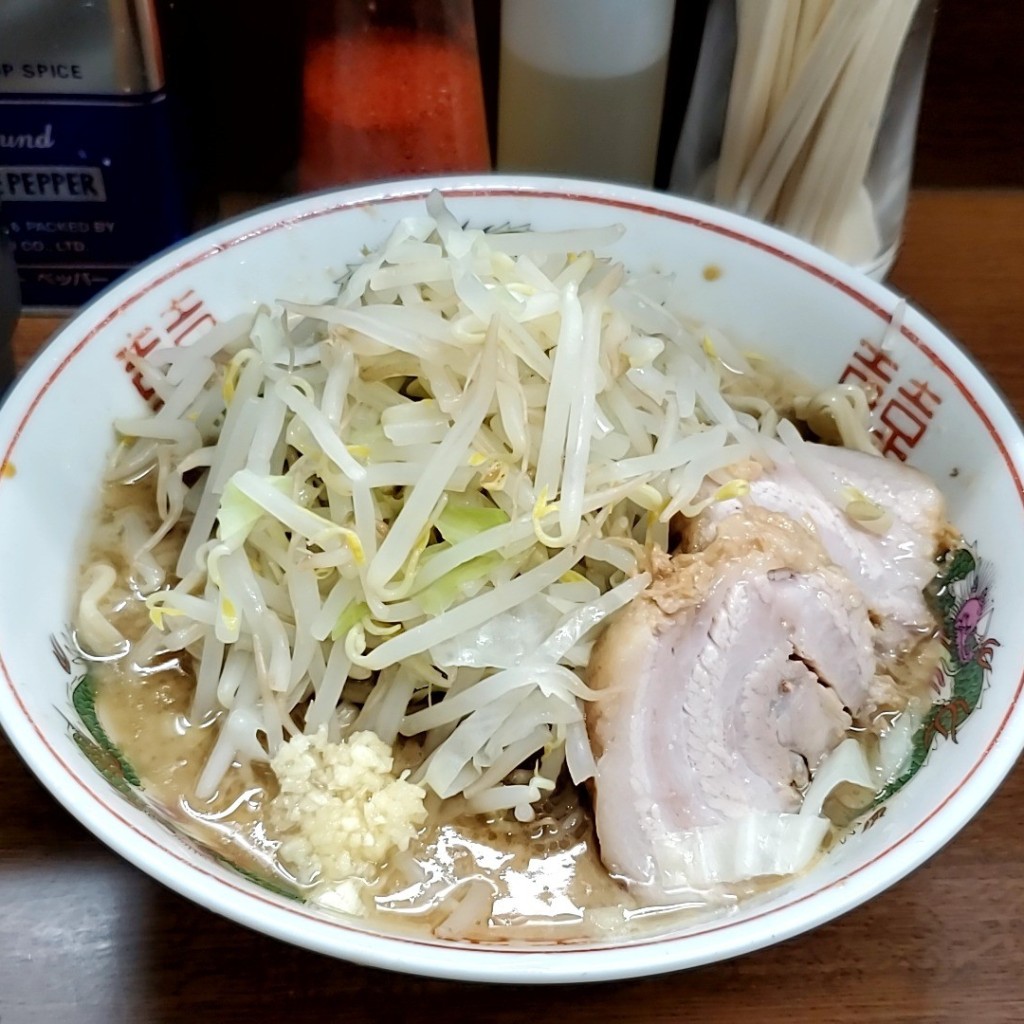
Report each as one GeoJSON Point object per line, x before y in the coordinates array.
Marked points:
{"type": "Point", "coordinates": [391, 89]}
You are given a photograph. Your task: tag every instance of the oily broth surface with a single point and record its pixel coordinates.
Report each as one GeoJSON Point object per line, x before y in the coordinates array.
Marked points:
{"type": "Point", "coordinates": [463, 877]}
{"type": "Point", "coordinates": [538, 881]}
{"type": "Point", "coordinates": [145, 709]}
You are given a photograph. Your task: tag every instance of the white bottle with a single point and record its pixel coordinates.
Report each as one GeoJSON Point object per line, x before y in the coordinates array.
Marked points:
{"type": "Point", "coordinates": [582, 86]}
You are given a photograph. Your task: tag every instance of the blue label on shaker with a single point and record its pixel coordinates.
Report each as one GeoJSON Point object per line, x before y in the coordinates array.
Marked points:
{"type": "Point", "coordinates": [88, 188]}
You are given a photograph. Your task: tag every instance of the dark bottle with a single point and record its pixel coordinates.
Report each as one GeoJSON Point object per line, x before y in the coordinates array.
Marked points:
{"type": "Point", "coordinates": [234, 74]}
{"type": "Point", "coordinates": [10, 307]}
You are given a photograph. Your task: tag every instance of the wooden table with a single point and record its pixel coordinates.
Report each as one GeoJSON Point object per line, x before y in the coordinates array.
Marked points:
{"type": "Point", "coordinates": [85, 937]}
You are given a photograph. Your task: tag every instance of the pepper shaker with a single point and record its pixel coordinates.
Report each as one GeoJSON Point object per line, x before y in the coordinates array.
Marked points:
{"type": "Point", "coordinates": [88, 168]}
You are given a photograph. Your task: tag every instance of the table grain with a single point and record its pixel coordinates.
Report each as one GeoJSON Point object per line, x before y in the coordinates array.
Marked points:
{"type": "Point", "coordinates": [84, 937]}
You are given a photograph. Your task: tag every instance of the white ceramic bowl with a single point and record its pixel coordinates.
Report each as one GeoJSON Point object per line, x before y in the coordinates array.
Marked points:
{"type": "Point", "coordinates": [769, 290]}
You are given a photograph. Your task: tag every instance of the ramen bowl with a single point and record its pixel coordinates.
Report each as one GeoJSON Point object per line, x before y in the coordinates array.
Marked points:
{"type": "Point", "coordinates": [772, 293]}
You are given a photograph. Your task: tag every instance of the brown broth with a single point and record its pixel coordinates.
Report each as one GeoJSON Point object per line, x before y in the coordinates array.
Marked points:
{"type": "Point", "coordinates": [547, 878]}
{"type": "Point", "coordinates": [483, 880]}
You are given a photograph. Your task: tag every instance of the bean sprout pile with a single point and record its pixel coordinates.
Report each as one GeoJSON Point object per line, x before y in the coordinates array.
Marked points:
{"type": "Point", "coordinates": [406, 509]}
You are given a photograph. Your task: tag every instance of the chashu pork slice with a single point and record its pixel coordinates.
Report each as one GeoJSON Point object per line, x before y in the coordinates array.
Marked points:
{"type": "Point", "coordinates": [891, 567]}
{"type": "Point", "coordinates": [720, 689]}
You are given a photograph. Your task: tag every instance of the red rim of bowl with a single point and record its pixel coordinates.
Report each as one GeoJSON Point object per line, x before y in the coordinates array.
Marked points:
{"type": "Point", "coordinates": [463, 960]}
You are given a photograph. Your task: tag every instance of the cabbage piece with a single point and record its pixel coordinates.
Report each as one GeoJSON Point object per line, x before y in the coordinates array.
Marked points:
{"type": "Point", "coordinates": [847, 763]}
{"type": "Point", "coordinates": [503, 641]}
{"type": "Point", "coordinates": [239, 513]}
{"type": "Point", "coordinates": [444, 592]}
{"type": "Point", "coordinates": [462, 518]}
{"type": "Point", "coordinates": [897, 745]}
{"type": "Point", "coordinates": [761, 844]}
{"type": "Point", "coordinates": [755, 846]}
{"type": "Point", "coordinates": [352, 614]}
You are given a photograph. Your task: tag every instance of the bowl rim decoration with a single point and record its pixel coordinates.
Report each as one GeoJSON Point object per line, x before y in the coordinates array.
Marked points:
{"type": "Point", "coordinates": [246, 904]}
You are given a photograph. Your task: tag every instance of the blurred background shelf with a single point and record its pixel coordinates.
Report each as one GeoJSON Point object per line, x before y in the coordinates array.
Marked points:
{"type": "Point", "coordinates": [236, 68]}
